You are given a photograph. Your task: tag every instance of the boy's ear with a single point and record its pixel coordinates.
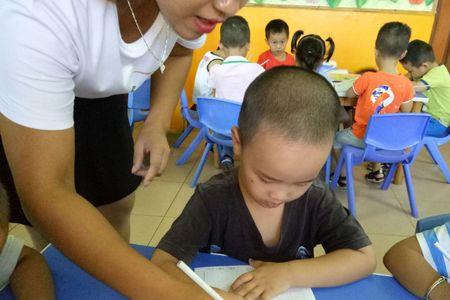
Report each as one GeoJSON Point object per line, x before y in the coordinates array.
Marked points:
{"type": "Point", "coordinates": [221, 46]}
{"type": "Point", "coordinates": [267, 42]}
{"type": "Point", "coordinates": [237, 144]}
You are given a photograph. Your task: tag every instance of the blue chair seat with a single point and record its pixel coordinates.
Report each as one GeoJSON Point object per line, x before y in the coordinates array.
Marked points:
{"type": "Point", "coordinates": [432, 145]}
{"type": "Point", "coordinates": [139, 103]}
{"type": "Point", "coordinates": [387, 138]}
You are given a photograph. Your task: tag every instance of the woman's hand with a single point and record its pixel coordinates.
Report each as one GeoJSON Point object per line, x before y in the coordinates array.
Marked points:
{"type": "Point", "coordinates": [265, 282]}
{"type": "Point", "coordinates": [151, 142]}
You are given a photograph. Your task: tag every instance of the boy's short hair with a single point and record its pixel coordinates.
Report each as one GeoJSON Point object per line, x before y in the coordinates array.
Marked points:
{"type": "Point", "coordinates": [235, 32]}
{"type": "Point", "coordinates": [418, 52]}
{"type": "Point", "coordinates": [4, 209]}
{"type": "Point", "coordinates": [392, 40]}
{"type": "Point", "coordinates": [297, 103]}
{"type": "Point", "coordinates": [276, 26]}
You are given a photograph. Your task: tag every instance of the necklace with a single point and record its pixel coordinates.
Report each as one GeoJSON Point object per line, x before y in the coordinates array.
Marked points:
{"type": "Point", "coordinates": [162, 67]}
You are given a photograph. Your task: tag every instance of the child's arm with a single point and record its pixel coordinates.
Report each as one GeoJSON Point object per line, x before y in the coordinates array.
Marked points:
{"type": "Point", "coordinates": [406, 107]}
{"type": "Point", "coordinates": [351, 93]}
{"type": "Point", "coordinates": [405, 261]}
{"type": "Point", "coordinates": [31, 278]}
{"type": "Point", "coordinates": [168, 264]}
{"type": "Point", "coordinates": [335, 268]}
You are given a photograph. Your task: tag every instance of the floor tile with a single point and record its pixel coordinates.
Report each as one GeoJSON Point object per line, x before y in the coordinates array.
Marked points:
{"type": "Point", "coordinates": [143, 228]}
{"type": "Point", "coordinates": [208, 171]}
{"type": "Point", "coordinates": [161, 231]}
{"type": "Point", "coordinates": [174, 173]}
{"type": "Point", "coordinates": [180, 201]}
{"type": "Point", "coordinates": [155, 199]}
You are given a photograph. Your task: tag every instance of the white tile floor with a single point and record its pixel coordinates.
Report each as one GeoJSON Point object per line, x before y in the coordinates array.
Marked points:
{"type": "Point", "coordinates": [385, 215]}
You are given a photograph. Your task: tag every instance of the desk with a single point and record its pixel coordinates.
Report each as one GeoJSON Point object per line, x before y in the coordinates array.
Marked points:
{"type": "Point", "coordinates": [74, 284]}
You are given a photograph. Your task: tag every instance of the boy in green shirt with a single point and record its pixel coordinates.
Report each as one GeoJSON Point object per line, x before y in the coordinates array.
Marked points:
{"type": "Point", "coordinates": [432, 79]}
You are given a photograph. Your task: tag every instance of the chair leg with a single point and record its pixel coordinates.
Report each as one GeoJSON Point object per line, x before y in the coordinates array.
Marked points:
{"type": "Point", "coordinates": [410, 188]}
{"type": "Point", "coordinates": [190, 149]}
{"type": "Point", "coordinates": [337, 171]}
{"type": "Point", "coordinates": [201, 164]}
{"type": "Point", "coordinates": [350, 185]}
{"type": "Point", "coordinates": [183, 136]}
{"type": "Point", "coordinates": [433, 150]}
{"type": "Point", "coordinates": [328, 170]}
{"type": "Point", "coordinates": [387, 181]}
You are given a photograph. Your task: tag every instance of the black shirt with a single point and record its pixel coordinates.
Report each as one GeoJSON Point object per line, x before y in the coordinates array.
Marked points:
{"type": "Point", "coordinates": [216, 219]}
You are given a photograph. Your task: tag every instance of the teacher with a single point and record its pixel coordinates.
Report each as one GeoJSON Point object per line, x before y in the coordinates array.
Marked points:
{"type": "Point", "coordinates": [65, 69]}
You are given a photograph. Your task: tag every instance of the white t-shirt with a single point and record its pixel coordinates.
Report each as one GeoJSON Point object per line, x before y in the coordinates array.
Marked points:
{"type": "Point", "coordinates": [54, 50]}
{"type": "Point", "coordinates": [232, 78]}
{"type": "Point", "coordinates": [201, 88]}
{"type": "Point", "coordinates": [9, 256]}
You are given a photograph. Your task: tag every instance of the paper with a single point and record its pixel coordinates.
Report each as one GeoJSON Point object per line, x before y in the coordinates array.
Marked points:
{"type": "Point", "coordinates": [223, 277]}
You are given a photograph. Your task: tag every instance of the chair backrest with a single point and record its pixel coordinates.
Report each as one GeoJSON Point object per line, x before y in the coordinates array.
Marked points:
{"type": "Point", "coordinates": [219, 115]}
{"type": "Point", "coordinates": [431, 222]}
{"type": "Point", "coordinates": [140, 98]}
{"type": "Point", "coordinates": [396, 131]}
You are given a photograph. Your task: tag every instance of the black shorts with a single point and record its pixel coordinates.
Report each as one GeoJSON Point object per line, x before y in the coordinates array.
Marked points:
{"type": "Point", "coordinates": [103, 155]}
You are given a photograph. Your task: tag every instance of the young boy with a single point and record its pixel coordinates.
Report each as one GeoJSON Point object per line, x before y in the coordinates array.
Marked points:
{"type": "Point", "coordinates": [420, 266]}
{"type": "Point", "coordinates": [432, 79]}
{"type": "Point", "coordinates": [272, 211]}
{"type": "Point", "coordinates": [24, 268]}
{"type": "Point", "coordinates": [277, 36]}
{"type": "Point", "coordinates": [231, 78]}
{"type": "Point", "coordinates": [201, 87]}
{"type": "Point", "coordinates": [386, 87]}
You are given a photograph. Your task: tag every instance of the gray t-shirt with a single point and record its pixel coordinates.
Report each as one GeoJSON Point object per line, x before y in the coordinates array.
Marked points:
{"type": "Point", "coordinates": [8, 259]}
{"type": "Point", "coordinates": [216, 219]}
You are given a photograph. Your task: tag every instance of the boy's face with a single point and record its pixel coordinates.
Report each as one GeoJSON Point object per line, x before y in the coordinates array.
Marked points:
{"type": "Point", "coordinates": [274, 170]}
{"type": "Point", "coordinates": [416, 72]}
{"type": "Point", "coordinates": [277, 42]}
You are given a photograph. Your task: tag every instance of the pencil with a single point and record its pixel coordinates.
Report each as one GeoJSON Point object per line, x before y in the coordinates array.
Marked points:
{"type": "Point", "coordinates": [198, 280]}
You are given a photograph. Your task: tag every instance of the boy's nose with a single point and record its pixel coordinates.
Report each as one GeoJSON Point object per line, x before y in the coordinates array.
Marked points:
{"type": "Point", "coordinates": [229, 7]}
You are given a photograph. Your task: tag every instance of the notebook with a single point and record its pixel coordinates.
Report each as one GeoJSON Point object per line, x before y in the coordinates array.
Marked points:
{"type": "Point", "coordinates": [342, 82]}
{"type": "Point", "coordinates": [223, 277]}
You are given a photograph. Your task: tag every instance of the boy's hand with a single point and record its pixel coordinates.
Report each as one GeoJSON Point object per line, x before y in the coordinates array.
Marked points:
{"type": "Point", "coordinates": [228, 296]}
{"type": "Point", "coordinates": [265, 282]}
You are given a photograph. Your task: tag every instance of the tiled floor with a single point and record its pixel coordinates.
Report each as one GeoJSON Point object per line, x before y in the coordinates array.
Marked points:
{"type": "Point", "coordinates": [385, 215]}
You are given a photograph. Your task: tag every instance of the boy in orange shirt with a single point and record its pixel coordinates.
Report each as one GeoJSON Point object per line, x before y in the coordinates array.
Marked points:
{"type": "Point", "coordinates": [386, 87]}
{"type": "Point", "coordinates": [277, 35]}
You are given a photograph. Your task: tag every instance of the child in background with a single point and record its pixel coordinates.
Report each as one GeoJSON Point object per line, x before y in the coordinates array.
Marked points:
{"type": "Point", "coordinates": [384, 88]}
{"type": "Point", "coordinates": [231, 78]}
{"type": "Point", "coordinates": [277, 36]}
{"type": "Point", "coordinates": [23, 267]}
{"type": "Point", "coordinates": [432, 79]}
{"type": "Point", "coordinates": [420, 266]}
{"type": "Point", "coordinates": [311, 51]}
{"type": "Point", "coordinates": [272, 211]}
{"type": "Point", "coordinates": [201, 87]}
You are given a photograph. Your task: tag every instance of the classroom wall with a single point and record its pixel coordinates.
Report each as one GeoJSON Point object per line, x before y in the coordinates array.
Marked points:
{"type": "Point", "coordinates": [354, 33]}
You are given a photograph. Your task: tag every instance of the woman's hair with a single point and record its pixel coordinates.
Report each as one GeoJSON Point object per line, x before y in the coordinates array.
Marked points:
{"type": "Point", "coordinates": [311, 50]}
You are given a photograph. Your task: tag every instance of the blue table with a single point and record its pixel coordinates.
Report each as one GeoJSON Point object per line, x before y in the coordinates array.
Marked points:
{"type": "Point", "coordinates": [73, 283]}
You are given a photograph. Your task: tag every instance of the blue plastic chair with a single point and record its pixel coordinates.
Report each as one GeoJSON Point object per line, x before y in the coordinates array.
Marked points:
{"type": "Point", "coordinates": [217, 117]}
{"type": "Point", "coordinates": [431, 222]}
{"type": "Point", "coordinates": [139, 103]}
{"type": "Point", "coordinates": [191, 116]}
{"type": "Point", "coordinates": [387, 138]}
{"type": "Point", "coordinates": [432, 145]}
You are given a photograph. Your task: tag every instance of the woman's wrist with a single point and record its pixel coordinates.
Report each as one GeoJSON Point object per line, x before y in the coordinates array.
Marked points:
{"type": "Point", "coordinates": [438, 289]}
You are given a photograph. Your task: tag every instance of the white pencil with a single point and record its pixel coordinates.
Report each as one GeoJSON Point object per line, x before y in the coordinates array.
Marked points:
{"type": "Point", "coordinates": [198, 280]}
{"type": "Point", "coordinates": [264, 62]}
{"type": "Point", "coordinates": [440, 248]}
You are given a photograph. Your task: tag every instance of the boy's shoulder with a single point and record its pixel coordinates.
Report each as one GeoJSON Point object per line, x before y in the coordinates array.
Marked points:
{"type": "Point", "coordinates": [219, 188]}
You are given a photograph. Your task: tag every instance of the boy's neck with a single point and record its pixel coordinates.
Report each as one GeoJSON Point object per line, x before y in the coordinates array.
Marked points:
{"type": "Point", "coordinates": [280, 56]}
{"type": "Point", "coordinates": [388, 65]}
{"type": "Point", "coordinates": [235, 52]}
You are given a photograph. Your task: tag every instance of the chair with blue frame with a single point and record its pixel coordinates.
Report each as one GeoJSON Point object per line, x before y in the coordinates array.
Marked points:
{"type": "Point", "coordinates": [139, 103]}
{"type": "Point", "coordinates": [217, 117]}
{"type": "Point", "coordinates": [388, 136]}
{"type": "Point", "coordinates": [431, 222]}
{"type": "Point", "coordinates": [191, 116]}
{"type": "Point", "coordinates": [432, 145]}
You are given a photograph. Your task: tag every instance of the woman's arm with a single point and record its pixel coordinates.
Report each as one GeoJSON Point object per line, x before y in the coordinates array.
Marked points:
{"type": "Point", "coordinates": [406, 262]}
{"type": "Point", "coordinates": [31, 278]}
{"type": "Point", "coordinates": [165, 93]}
{"type": "Point", "coordinates": [42, 164]}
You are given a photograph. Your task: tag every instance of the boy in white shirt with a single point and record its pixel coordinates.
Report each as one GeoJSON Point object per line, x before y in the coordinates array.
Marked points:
{"type": "Point", "coordinates": [231, 78]}
{"type": "Point", "coordinates": [201, 86]}
{"type": "Point", "coordinates": [21, 266]}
